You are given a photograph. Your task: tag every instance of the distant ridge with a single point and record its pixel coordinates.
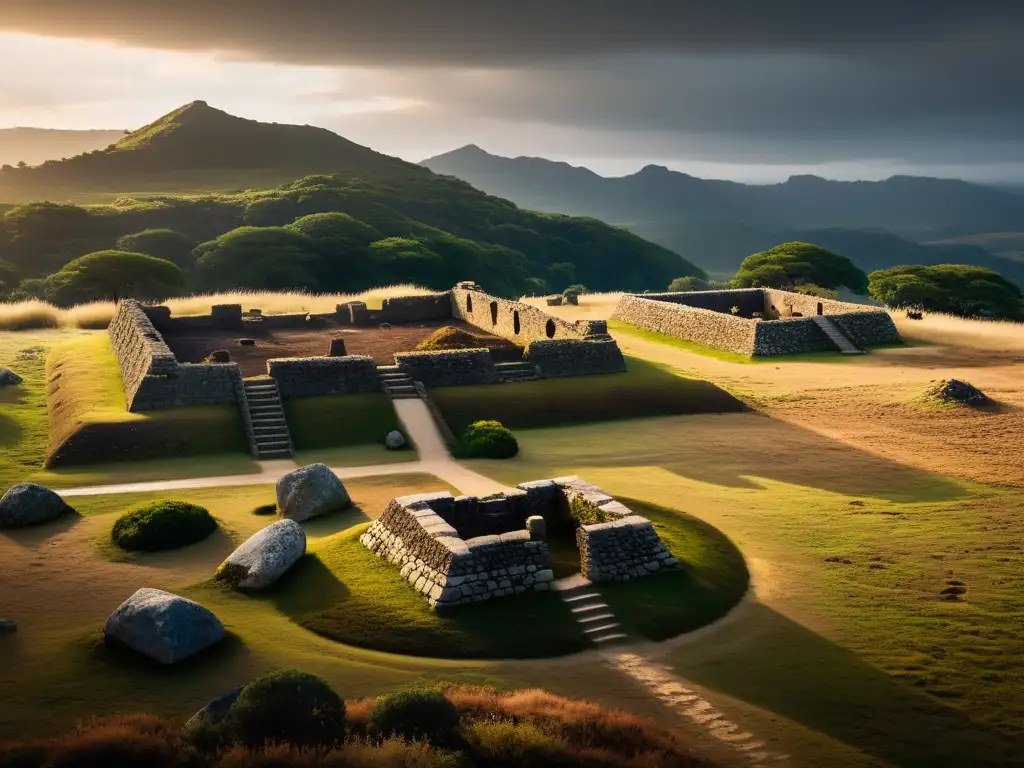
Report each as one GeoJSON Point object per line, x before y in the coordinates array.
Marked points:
{"type": "Point", "coordinates": [36, 145]}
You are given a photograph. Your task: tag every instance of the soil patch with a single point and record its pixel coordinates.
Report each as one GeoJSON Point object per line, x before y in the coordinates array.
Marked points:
{"type": "Point", "coordinates": [194, 345]}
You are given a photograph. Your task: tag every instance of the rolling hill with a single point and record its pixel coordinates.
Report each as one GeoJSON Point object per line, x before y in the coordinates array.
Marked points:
{"type": "Point", "coordinates": [393, 220]}
{"type": "Point", "coordinates": [36, 145]}
{"type": "Point", "coordinates": [717, 223]}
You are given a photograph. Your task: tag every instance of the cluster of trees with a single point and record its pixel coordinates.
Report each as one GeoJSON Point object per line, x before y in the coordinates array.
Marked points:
{"type": "Point", "coordinates": [957, 289]}
{"type": "Point", "coordinates": [327, 233]}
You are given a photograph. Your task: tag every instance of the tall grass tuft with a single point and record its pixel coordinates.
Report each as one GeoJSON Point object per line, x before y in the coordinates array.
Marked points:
{"type": "Point", "coordinates": [952, 331]}
{"type": "Point", "coordinates": [34, 314]}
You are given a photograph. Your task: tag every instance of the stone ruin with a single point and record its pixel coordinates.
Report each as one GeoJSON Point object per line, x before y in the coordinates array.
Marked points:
{"type": "Point", "coordinates": [458, 550]}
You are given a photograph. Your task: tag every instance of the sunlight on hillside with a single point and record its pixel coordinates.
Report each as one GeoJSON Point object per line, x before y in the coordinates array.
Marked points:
{"type": "Point", "coordinates": [23, 315]}
{"type": "Point", "coordinates": [993, 335]}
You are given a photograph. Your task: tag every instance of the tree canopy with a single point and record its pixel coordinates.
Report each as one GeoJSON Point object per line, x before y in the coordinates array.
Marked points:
{"type": "Point", "coordinates": [690, 283]}
{"type": "Point", "coordinates": [793, 264]}
{"type": "Point", "coordinates": [161, 243]}
{"type": "Point", "coordinates": [8, 278]}
{"type": "Point", "coordinates": [261, 258]}
{"type": "Point", "coordinates": [959, 289]}
{"type": "Point", "coordinates": [114, 275]}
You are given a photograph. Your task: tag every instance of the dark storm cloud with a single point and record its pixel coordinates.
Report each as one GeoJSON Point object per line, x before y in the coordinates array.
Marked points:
{"type": "Point", "coordinates": [765, 80]}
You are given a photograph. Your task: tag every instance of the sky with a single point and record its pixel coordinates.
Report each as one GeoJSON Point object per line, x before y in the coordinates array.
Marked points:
{"type": "Point", "coordinates": [745, 89]}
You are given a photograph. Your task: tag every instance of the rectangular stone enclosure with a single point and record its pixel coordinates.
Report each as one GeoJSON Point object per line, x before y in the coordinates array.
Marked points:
{"type": "Point", "coordinates": [757, 321]}
{"type": "Point", "coordinates": [459, 550]}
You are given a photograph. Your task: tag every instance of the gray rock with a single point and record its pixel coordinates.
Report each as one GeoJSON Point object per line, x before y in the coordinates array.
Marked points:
{"type": "Point", "coordinates": [394, 441]}
{"type": "Point", "coordinates": [9, 378]}
{"type": "Point", "coordinates": [215, 710]}
{"type": "Point", "coordinates": [310, 491]}
{"type": "Point", "coordinates": [537, 528]}
{"type": "Point", "coordinates": [165, 627]}
{"type": "Point", "coordinates": [265, 556]}
{"type": "Point", "coordinates": [7, 627]}
{"type": "Point", "coordinates": [30, 504]}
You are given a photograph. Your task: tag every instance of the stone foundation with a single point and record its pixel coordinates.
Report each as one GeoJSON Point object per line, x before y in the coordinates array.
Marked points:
{"type": "Point", "coordinates": [312, 376]}
{"type": "Point", "coordinates": [444, 368]}
{"type": "Point", "coordinates": [461, 550]}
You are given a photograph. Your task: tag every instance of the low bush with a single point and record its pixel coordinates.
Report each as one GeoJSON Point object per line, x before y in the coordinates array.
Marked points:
{"type": "Point", "coordinates": [265, 509]}
{"type": "Point", "coordinates": [287, 707]}
{"type": "Point", "coordinates": [487, 440]}
{"type": "Point", "coordinates": [585, 512]}
{"type": "Point", "coordinates": [416, 716]}
{"type": "Point", "coordinates": [162, 525]}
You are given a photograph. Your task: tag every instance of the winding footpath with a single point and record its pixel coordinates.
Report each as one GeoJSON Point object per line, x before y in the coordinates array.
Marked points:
{"type": "Point", "coordinates": [693, 710]}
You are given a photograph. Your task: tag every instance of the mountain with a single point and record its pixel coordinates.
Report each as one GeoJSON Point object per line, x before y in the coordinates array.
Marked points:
{"type": "Point", "coordinates": [36, 145]}
{"type": "Point", "coordinates": [717, 223]}
{"type": "Point", "coordinates": [200, 148]}
{"type": "Point", "coordinates": [387, 220]}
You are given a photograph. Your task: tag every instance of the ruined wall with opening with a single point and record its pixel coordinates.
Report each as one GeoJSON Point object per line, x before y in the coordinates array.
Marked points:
{"type": "Point", "coordinates": [314, 376]}
{"type": "Point", "coordinates": [515, 320]}
{"type": "Point", "coordinates": [575, 357]}
{"type": "Point", "coordinates": [747, 301]}
{"type": "Point", "coordinates": [153, 378]}
{"type": "Point", "coordinates": [443, 368]}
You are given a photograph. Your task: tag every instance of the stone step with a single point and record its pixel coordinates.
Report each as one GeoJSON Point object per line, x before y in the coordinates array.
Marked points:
{"type": "Point", "coordinates": [586, 608]}
{"type": "Point", "coordinates": [269, 429]}
{"type": "Point", "coordinates": [609, 638]}
{"type": "Point", "coordinates": [589, 618]}
{"type": "Point", "coordinates": [602, 628]}
{"type": "Point", "coordinates": [402, 390]}
{"type": "Point", "coordinates": [269, 423]}
{"type": "Point", "coordinates": [388, 369]}
{"type": "Point", "coordinates": [267, 407]}
{"type": "Point", "coordinates": [262, 399]}
{"type": "Point", "coordinates": [281, 454]}
{"type": "Point", "coordinates": [584, 596]}
{"type": "Point", "coordinates": [405, 396]}
{"type": "Point", "coordinates": [273, 445]}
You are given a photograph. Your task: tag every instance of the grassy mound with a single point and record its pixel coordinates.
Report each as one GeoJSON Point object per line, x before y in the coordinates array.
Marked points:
{"type": "Point", "coordinates": [487, 440]}
{"type": "Point", "coordinates": [525, 727]}
{"type": "Point", "coordinates": [339, 420]}
{"type": "Point", "coordinates": [90, 423]}
{"type": "Point", "coordinates": [416, 715]}
{"type": "Point", "coordinates": [645, 390]}
{"type": "Point", "coordinates": [450, 337]}
{"type": "Point", "coordinates": [287, 708]}
{"type": "Point", "coordinates": [162, 525]}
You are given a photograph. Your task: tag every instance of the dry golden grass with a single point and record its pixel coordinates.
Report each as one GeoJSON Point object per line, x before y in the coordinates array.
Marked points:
{"type": "Point", "coordinates": [23, 315]}
{"type": "Point", "coordinates": [592, 306]}
{"type": "Point", "coordinates": [990, 335]}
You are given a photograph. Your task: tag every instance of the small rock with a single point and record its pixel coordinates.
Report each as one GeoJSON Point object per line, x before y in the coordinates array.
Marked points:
{"type": "Point", "coordinates": [215, 710]}
{"type": "Point", "coordinates": [9, 378]}
{"type": "Point", "coordinates": [7, 627]}
{"type": "Point", "coordinates": [165, 627]}
{"type": "Point", "coordinates": [954, 590]}
{"type": "Point", "coordinates": [265, 556]}
{"type": "Point", "coordinates": [337, 348]}
{"type": "Point", "coordinates": [394, 441]}
{"type": "Point", "coordinates": [310, 491]}
{"type": "Point", "coordinates": [30, 504]}
{"type": "Point", "coordinates": [247, 342]}
{"type": "Point", "coordinates": [218, 356]}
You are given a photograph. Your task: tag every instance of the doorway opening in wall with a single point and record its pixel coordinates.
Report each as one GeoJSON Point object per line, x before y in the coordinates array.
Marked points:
{"type": "Point", "coordinates": [469, 303]}
{"type": "Point", "coordinates": [820, 308]}
{"type": "Point", "coordinates": [494, 313]}
{"type": "Point", "coordinates": [549, 329]}
{"type": "Point", "coordinates": [563, 550]}
{"type": "Point", "coordinates": [515, 322]}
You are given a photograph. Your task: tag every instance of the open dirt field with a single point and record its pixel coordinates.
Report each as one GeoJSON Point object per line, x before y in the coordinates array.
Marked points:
{"type": "Point", "coordinates": [381, 345]}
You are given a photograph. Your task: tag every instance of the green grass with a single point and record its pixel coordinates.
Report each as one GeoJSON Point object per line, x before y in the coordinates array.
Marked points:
{"type": "Point", "coordinates": [828, 356]}
{"type": "Point", "coordinates": [713, 578]}
{"type": "Point", "coordinates": [339, 420]}
{"type": "Point", "coordinates": [348, 594]}
{"type": "Point", "coordinates": [645, 390]}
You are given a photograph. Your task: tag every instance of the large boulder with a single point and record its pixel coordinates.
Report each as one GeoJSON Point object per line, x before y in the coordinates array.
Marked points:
{"type": "Point", "coordinates": [394, 440]}
{"type": "Point", "coordinates": [265, 556]}
{"type": "Point", "coordinates": [30, 504]}
{"type": "Point", "coordinates": [310, 491]}
{"type": "Point", "coordinates": [165, 627]}
{"type": "Point", "coordinates": [9, 378]}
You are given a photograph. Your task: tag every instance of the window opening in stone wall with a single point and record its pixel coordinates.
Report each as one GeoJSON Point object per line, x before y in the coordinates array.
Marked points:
{"type": "Point", "coordinates": [469, 303]}
{"type": "Point", "coordinates": [515, 322]}
{"type": "Point", "coordinates": [820, 308]}
{"type": "Point", "coordinates": [550, 329]}
{"type": "Point", "coordinates": [494, 313]}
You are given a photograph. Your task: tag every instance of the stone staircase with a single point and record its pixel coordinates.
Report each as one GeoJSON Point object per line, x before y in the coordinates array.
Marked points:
{"type": "Point", "coordinates": [517, 371]}
{"type": "Point", "coordinates": [593, 615]}
{"type": "Point", "coordinates": [837, 337]}
{"type": "Point", "coordinates": [266, 414]}
{"type": "Point", "coordinates": [396, 384]}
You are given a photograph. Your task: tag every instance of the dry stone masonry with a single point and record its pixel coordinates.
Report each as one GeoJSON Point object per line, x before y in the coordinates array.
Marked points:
{"type": "Point", "coordinates": [313, 376]}
{"type": "Point", "coordinates": [458, 550]}
{"type": "Point", "coordinates": [442, 368]}
{"type": "Point", "coordinates": [755, 322]}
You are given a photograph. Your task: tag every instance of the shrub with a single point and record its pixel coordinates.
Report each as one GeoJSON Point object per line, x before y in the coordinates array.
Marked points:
{"type": "Point", "coordinates": [585, 512]}
{"type": "Point", "coordinates": [288, 707]}
{"type": "Point", "coordinates": [575, 290]}
{"type": "Point", "coordinates": [487, 440]}
{"type": "Point", "coordinates": [450, 337]}
{"type": "Point", "coordinates": [162, 525]}
{"type": "Point", "coordinates": [265, 509]}
{"type": "Point", "coordinates": [416, 716]}
{"type": "Point", "coordinates": [218, 356]}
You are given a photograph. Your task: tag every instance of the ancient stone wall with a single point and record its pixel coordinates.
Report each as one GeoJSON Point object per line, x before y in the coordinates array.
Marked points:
{"type": "Point", "coordinates": [312, 376]}
{"type": "Point", "coordinates": [788, 302]}
{"type": "Point", "coordinates": [787, 337]}
{"type": "Point", "coordinates": [746, 301]}
{"type": "Point", "coordinates": [867, 328]}
{"type": "Point", "coordinates": [445, 368]}
{"type": "Point", "coordinates": [442, 548]}
{"type": "Point", "coordinates": [703, 326]}
{"type": "Point", "coordinates": [408, 309]}
{"type": "Point", "coordinates": [515, 320]}
{"type": "Point", "coordinates": [140, 349]}
{"type": "Point", "coordinates": [575, 357]}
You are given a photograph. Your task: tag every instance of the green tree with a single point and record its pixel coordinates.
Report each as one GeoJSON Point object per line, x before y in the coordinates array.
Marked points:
{"type": "Point", "coordinates": [8, 278]}
{"type": "Point", "coordinates": [959, 289]}
{"type": "Point", "coordinates": [790, 265]}
{"type": "Point", "coordinates": [690, 283]}
{"type": "Point", "coordinates": [810, 289]}
{"type": "Point", "coordinates": [162, 244]}
{"type": "Point", "coordinates": [403, 259]}
{"type": "Point", "coordinates": [261, 258]}
{"type": "Point", "coordinates": [114, 275]}
{"type": "Point", "coordinates": [344, 243]}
